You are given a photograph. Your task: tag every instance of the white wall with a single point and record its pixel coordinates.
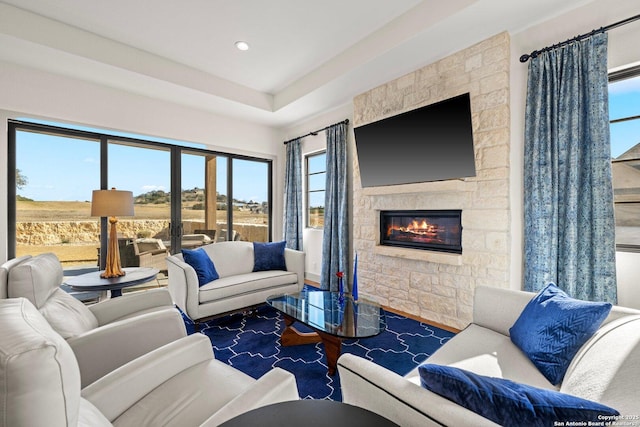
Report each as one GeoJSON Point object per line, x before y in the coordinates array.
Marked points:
{"type": "Point", "coordinates": [622, 51]}
{"type": "Point", "coordinates": [26, 92]}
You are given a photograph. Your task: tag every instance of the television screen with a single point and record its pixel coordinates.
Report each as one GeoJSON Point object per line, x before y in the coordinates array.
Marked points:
{"type": "Point", "coordinates": [431, 143]}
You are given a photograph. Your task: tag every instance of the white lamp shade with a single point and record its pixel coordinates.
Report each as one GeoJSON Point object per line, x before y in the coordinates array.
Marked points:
{"type": "Point", "coordinates": [112, 203]}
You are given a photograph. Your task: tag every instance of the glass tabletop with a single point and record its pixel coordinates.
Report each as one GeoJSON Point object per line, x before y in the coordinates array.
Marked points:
{"type": "Point", "coordinates": [326, 312]}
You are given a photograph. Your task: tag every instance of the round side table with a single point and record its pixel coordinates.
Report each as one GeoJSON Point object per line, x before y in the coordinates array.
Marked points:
{"type": "Point", "coordinates": [93, 282]}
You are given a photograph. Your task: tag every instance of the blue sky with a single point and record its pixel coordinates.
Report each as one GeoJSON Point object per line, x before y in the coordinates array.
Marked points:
{"type": "Point", "coordinates": [67, 169]}
{"type": "Point", "coordinates": [624, 101]}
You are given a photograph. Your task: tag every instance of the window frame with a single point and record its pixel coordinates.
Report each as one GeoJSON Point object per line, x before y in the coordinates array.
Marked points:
{"type": "Point", "coordinates": [308, 190]}
{"type": "Point", "coordinates": [105, 138]}
{"type": "Point", "coordinates": [616, 76]}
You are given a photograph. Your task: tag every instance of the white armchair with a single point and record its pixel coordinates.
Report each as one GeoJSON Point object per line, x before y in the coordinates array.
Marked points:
{"type": "Point", "coordinates": [179, 384]}
{"type": "Point", "coordinates": [103, 336]}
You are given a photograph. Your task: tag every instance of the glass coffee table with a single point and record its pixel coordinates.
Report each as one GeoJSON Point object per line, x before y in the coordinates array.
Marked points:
{"type": "Point", "coordinates": [332, 318]}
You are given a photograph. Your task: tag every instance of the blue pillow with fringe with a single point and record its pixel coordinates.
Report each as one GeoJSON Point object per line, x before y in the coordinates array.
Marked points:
{"type": "Point", "coordinates": [202, 264]}
{"type": "Point", "coordinates": [552, 328]}
{"type": "Point", "coordinates": [508, 403]}
{"type": "Point", "coordinates": [269, 256]}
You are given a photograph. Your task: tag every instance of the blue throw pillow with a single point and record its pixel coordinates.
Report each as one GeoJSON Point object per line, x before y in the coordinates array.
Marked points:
{"type": "Point", "coordinates": [509, 403]}
{"type": "Point", "coordinates": [202, 264]}
{"type": "Point", "coordinates": [269, 256]}
{"type": "Point", "coordinates": [552, 328]}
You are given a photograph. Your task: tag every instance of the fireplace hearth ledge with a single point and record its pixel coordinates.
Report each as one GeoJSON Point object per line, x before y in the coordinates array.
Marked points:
{"type": "Point", "coordinates": [419, 255]}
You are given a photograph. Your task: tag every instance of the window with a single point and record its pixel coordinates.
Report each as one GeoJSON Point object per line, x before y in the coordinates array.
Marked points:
{"type": "Point", "coordinates": [624, 113]}
{"type": "Point", "coordinates": [316, 171]}
{"type": "Point", "coordinates": [55, 170]}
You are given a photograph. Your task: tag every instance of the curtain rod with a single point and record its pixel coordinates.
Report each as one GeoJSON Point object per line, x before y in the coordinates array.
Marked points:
{"type": "Point", "coordinates": [314, 133]}
{"type": "Point", "coordinates": [524, 58]}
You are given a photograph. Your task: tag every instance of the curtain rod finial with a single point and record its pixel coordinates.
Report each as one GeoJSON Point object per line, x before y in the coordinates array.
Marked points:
{"type": "Point", "coordinates": [524, 58]}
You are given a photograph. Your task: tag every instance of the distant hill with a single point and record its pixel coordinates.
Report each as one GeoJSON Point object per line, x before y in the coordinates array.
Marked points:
{"type": "Point", "coordinates": [195, 195]}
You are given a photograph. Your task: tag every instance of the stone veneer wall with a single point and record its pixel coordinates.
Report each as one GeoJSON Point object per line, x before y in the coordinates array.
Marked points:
{"type": "Point", "coordinates": [57, 232]}
{"type": "Point", "coordinates": [432, 285]}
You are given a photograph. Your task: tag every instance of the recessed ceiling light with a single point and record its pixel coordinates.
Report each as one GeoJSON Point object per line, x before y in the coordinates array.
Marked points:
{"type": "Point", "coordinates": [242, 45]}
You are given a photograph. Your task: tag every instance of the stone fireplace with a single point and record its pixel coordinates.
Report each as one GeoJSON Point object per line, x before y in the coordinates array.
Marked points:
{"type": "Point", "coordinates": [433, 284]}
{"type": "Point", "coordinates": [439, 230]}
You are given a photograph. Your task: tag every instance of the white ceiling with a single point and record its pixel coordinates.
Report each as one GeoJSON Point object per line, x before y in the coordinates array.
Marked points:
{"type": "Point", "coordinates": [306, 56]}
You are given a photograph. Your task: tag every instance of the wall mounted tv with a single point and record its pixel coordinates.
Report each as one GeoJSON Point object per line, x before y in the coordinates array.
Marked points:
{"type": "Point", "coordinates": [431, 143]}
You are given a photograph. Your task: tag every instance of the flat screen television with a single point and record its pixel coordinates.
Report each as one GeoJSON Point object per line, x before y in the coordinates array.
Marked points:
{"type": "Point", "coordinates": [431, 143]}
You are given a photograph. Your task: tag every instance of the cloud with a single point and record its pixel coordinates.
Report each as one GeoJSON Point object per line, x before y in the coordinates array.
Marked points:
{"type": "Point", "coordinates": [91, 160]}
{"type": "Point", "coordinates": [147, 188]}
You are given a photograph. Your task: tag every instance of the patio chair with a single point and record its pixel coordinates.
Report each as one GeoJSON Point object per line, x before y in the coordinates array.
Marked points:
{"type": "Point", "coordinates": [150, 252]}
{"type": "Point", "coordinates": [207, 232]}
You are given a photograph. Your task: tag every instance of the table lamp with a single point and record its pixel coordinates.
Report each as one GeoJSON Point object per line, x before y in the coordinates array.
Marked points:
{"type": "Point", "coordinates": [112, 203]}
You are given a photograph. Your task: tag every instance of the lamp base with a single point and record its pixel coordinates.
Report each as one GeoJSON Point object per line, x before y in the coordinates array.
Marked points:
{"type": "Point", "coordinates": [112, 268]}
{"type": "Point", "coordinates": [111, 275]}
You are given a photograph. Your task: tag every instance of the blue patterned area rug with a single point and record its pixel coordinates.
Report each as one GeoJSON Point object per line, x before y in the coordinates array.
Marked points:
{"type": "Point", "coordinates": [251, 344]}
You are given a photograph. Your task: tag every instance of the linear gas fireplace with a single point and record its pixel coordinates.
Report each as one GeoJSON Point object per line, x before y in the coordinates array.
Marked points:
{"type": "Point", "coordinates": [433, 230]}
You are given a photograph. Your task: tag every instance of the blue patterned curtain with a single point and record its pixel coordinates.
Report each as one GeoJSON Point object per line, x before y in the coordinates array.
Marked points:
{"type": "Point", "coordinates": [335, 238]}
{"type": "Point", "coordinates": [568, 200]}
{"type": "Point", "coordinates": [293, 196]}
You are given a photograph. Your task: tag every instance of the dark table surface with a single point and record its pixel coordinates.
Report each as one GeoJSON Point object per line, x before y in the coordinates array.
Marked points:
{"type": "Point", "coordinates": [93, 282]}
{"type": "Point", "coordinates": [329, 313]}
{"type": "Point", "coordinates": [309, 413]}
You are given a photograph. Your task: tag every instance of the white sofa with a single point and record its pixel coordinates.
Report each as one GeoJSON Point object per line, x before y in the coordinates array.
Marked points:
{"type": "Point", "coordinates": [238, 286]}
{"type": "Point", "coordinates": [605, 370]}
{"type": "Point", "coordinates": [178, 384]}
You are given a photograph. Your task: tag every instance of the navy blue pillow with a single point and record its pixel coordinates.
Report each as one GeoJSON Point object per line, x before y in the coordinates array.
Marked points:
{"type": "Point", "coordinates": [552, 328]}
{"type": "Point", "coordinates": [269, 256]}
{"type": "Point", "coordinates": [506, 402]}
{"type": "Point", "coordinates": [202, 264]}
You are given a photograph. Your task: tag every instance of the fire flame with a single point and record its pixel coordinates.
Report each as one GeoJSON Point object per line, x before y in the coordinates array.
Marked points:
{"type": "Point", "coordinates": [415, 227]}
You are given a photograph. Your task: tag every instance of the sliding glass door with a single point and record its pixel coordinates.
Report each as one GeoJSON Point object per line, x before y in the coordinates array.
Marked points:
{"type": "Point", "coordinates": [221, 196]}
{"type": "Point", "coordinates": [146, 171]}
{"type": "Point", "coordinates": [204, 204]}
{"type": "Point", "coordinates": [54, 176]}
{"type": "Point", "coordinates": [251, 200]}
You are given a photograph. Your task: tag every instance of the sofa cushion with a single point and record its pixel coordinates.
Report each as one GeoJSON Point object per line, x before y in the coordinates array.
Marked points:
{"type": "Point", "coordinates": [38, 280]}
{"type": "Point", "coordinates": [231, 258]}
{"type": "Point", "coordinates": [269, 256]}
{"type": "Point", "coordinates": [177, 402]}
{"type": "Point", "coordinates": [202, 264]}
{"type": "Point", "coordinates": [486, 352]}
{"type": "Point", "coordinates": [39, 374]}
{"type": "Point", "coordinates": [507, 402]}
{"type": "Point", "coordinates": [232, 286]}
{"type": "Point", "coordinates": [553, 327]}
{"type": "Point", "coordinates": [606, 368]}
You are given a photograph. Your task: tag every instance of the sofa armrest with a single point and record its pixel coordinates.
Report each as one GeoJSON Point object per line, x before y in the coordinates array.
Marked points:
{"type": "Point", "coordinates": [384, 392]}
{"type": "Point", "coordinates": [133, 381]}
{"type": "Point", "coordinates": [183, 285]}
{"type": "Point", "coordinates": [277, 385]}
{"type": "Point", "coordinates": [295, 263]}
{"type": "Point", "coordinates": [101, 350]}
{"type": "Point", "coordinates": [498, 317]}
{"type": "Point", "coordinates": [117, 308]}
